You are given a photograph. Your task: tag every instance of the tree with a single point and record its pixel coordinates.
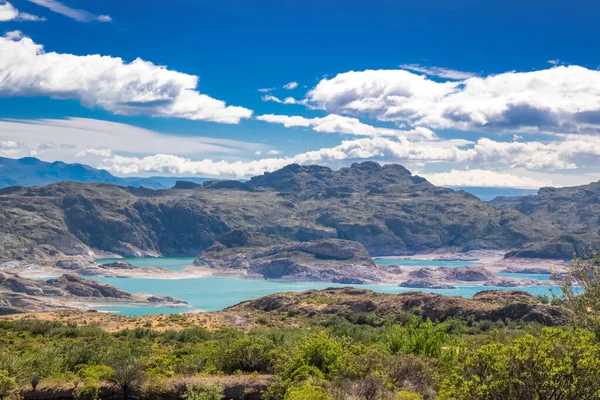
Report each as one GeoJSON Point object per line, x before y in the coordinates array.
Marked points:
{"type": "Point", "coordinates": [559, 364]}
{"type": "Point", "coordinates": [580, 289]}
{"type": "Point", "coordinates": [128, 371]}
{"type": "Point", "coordinates": [7, 384]}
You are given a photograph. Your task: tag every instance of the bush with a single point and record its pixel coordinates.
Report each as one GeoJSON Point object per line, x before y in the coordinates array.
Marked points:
{"type": "Point", "coordinates": [204, 392]}
{"type": "Point", "coordinates": [89, 391]}
{"type": "Point", "coordinates": [306, 391]}
{"type": "Point", "coordinates": [560, 364]}
{"type": "Point", "coordinates": [404, 395]}
{"type": "Point", "coordinates": [7, 384]}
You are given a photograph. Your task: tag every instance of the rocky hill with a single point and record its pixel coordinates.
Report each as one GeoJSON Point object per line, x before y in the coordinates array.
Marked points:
{"type": "Point", "coordinates": [329, 260]}
{"type": "Point", "coordinates": [68, 292]}
{"type": "Point", "coordinates": [385, 208]}
{"type": "Point", "coordinates": [353, 304]}
{"type": "Point", "coordinates": [573, 210]}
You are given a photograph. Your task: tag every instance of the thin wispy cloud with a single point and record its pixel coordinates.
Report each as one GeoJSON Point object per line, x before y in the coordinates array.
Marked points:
{"type": "Point", "coordinates": [290, 85]}
{"type": "Point", "coordinates": [439, 72]}
{"type": "Point", "coordinates": [73, 13]}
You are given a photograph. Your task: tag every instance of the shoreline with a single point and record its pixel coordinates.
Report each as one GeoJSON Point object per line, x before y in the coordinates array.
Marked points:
{"type": "Point", "coordinates": [492, 261]}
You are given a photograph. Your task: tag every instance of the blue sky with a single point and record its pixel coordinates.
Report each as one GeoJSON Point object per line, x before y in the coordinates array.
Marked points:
{"type": "Point", "coordinates": [238, 47]}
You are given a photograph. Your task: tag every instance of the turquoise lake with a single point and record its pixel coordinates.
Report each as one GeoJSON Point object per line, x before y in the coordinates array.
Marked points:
{"type": "Point", "coordinates": [216, 293]}
{"type": "Point", "coordinates": [408, 262]}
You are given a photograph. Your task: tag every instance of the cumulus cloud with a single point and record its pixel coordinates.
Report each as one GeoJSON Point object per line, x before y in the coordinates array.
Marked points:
{"type": "Point", "coordinates": [440, 72]}
{"type": "Point", "coordinates": [559, 99]}
{"type": "Point", "coordinates": [95, 152]}
{"type": "Point", "coordinates": [139, 87]}
{"type": "Point", "coordinates": [290, 85]}
{"type": "Point", "coordinates": [287, 100]}
{"type": "Point", "coordinates": [485, 155]}
{"type": "Point", "coordinates": [345, 125]}
{"type": "Point", "coordinates": [484, 178]}
{"type": "Point", "coordinates": [9, 13]}
{"type": "Point", "coordinates": [77, 15]}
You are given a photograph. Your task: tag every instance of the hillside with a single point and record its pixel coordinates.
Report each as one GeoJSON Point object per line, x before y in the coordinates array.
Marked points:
{"type": "Point", "coordinates": [573, 210]}
{"type": "Point", "coordinates": [384, 208]}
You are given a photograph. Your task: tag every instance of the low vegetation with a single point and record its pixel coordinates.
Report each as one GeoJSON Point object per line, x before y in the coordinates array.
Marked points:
{"type": "Point", "coordinates": [339, 357]}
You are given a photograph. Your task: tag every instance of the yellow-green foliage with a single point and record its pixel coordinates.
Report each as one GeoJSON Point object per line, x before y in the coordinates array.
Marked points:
{"type": "Point", "coordinates": [306, 391]}
{"type": "Point", "coordinates": [405, 395]}
{"type": "Point", "coordinates": [558, 364]}
{"type": "Point", "coordinates": [7, 384]}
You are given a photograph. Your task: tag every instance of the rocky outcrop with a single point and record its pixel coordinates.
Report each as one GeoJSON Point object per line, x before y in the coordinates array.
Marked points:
{"type": "Point", "coordinates": [573, 210]}
{"type": "Point", "coordinates": [425, 284]}
{"type": "Point", "coordinates": [348, 302]}
{"type": "Point", "coordinates": [563, 247]}
{"type": "Point", "coordinates": [385, 208]}
{"type": "Point", "coordinates": [18, 294]}
{"type": "Point", "coordinates": [331, 260]}
{"type": "Point", "coordinates": [81, 287]}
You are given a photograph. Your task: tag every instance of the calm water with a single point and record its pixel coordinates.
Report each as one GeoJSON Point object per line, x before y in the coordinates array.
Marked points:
{"type": "Point", "coordinates": [408, 262]}
{"type": "Point", "coordinates": [216, 293]}
{"type": "Point", "coordinates": [172, 263]}
{"type": "Point", "coordinates": [542, 277]}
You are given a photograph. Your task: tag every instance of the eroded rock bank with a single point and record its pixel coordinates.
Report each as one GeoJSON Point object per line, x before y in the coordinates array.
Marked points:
{"type": "Point", "coordinates": [68, 292]}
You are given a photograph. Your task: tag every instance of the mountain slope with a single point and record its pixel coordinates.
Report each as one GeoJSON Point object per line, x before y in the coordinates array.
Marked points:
{"type": "Point", "coordinates": [574, 210]}
{"type": "Point", "coordinates": [384, 208]}
{"type": "Point", "coordinates": [31, 171]}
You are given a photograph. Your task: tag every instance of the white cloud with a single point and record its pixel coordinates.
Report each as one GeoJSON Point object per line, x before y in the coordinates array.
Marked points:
{"type": "Point", "coordinates": [95, 152]}
{"type": "Point", "coordinates": [9, 13]}
{"type": "Point", "coordinates": [484, 178]}
{"type": "Point", "coordinates": [485, 155]}
{"type": "Point", "coordinates": [345, 125]}
{"type": "Point", "coordinates": [290, 85]}
{"type": "Point", "coordinates": [77, 15]}
{"type": "Point", "coordinates": [559, 99]}
{"type": "Point", "coordinates": [440, 72]}
{"type": "Point", "coordinates": [266, 90]}
{"type": "Point", "coordinates": [273, 152]}
{"type": "Point", "coordinates": [287, 100]}
{"type": "Point", "coordinates": [75, 138]}
{"type": "Point", "coordinates": [272, 98]}
{"type": "Point", "coordinates": [139, 87]}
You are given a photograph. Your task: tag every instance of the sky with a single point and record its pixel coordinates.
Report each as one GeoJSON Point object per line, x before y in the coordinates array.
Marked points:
{"type": "Point", "coordinates": [464, 93]}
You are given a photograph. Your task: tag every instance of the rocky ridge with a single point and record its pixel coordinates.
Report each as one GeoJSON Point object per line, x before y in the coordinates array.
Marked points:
{"type": "Point", "coordinates": [18, 294]}
{"type": "Point", "coordinates": [385, 208]}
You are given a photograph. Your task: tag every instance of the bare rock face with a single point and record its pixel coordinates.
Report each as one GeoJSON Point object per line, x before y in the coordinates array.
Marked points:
{"type": "Point", "coordinates": [19, 294]}
{"type": "Point", "coordinates": [385, 208]}
{"type": "Point", "coordinates": [331, 260]}
{"type": "Point", "coordinates": [81, 287]}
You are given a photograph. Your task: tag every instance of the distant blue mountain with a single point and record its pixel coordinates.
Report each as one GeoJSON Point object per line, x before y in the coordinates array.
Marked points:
{"type": "Point", "coordinates": [490, 193]}
{"type": "Point", "coordinates": [31, 171]}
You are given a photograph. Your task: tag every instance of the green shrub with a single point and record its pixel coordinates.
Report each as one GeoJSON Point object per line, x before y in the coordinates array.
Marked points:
{"type": "Point", "coordinates": [7, 384]}
{"type": "Point", "coordinates": [204, 392]}
{"type": "Point", "coordinates": [558, 364]}
{"type": "Point", "coordinates": [306, 391]}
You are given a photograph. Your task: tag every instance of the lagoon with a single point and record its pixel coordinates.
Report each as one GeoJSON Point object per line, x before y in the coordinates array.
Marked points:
{"type": "Point", "coordinates": [411, 262]}
{"type": "Point", "coordinates": [216, 293]}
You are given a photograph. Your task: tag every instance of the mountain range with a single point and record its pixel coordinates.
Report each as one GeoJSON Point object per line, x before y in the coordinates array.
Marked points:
{"type": "Point", "coordinates": [385, 208]}
{"type": "Point", "coordinates": [30, 171]}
